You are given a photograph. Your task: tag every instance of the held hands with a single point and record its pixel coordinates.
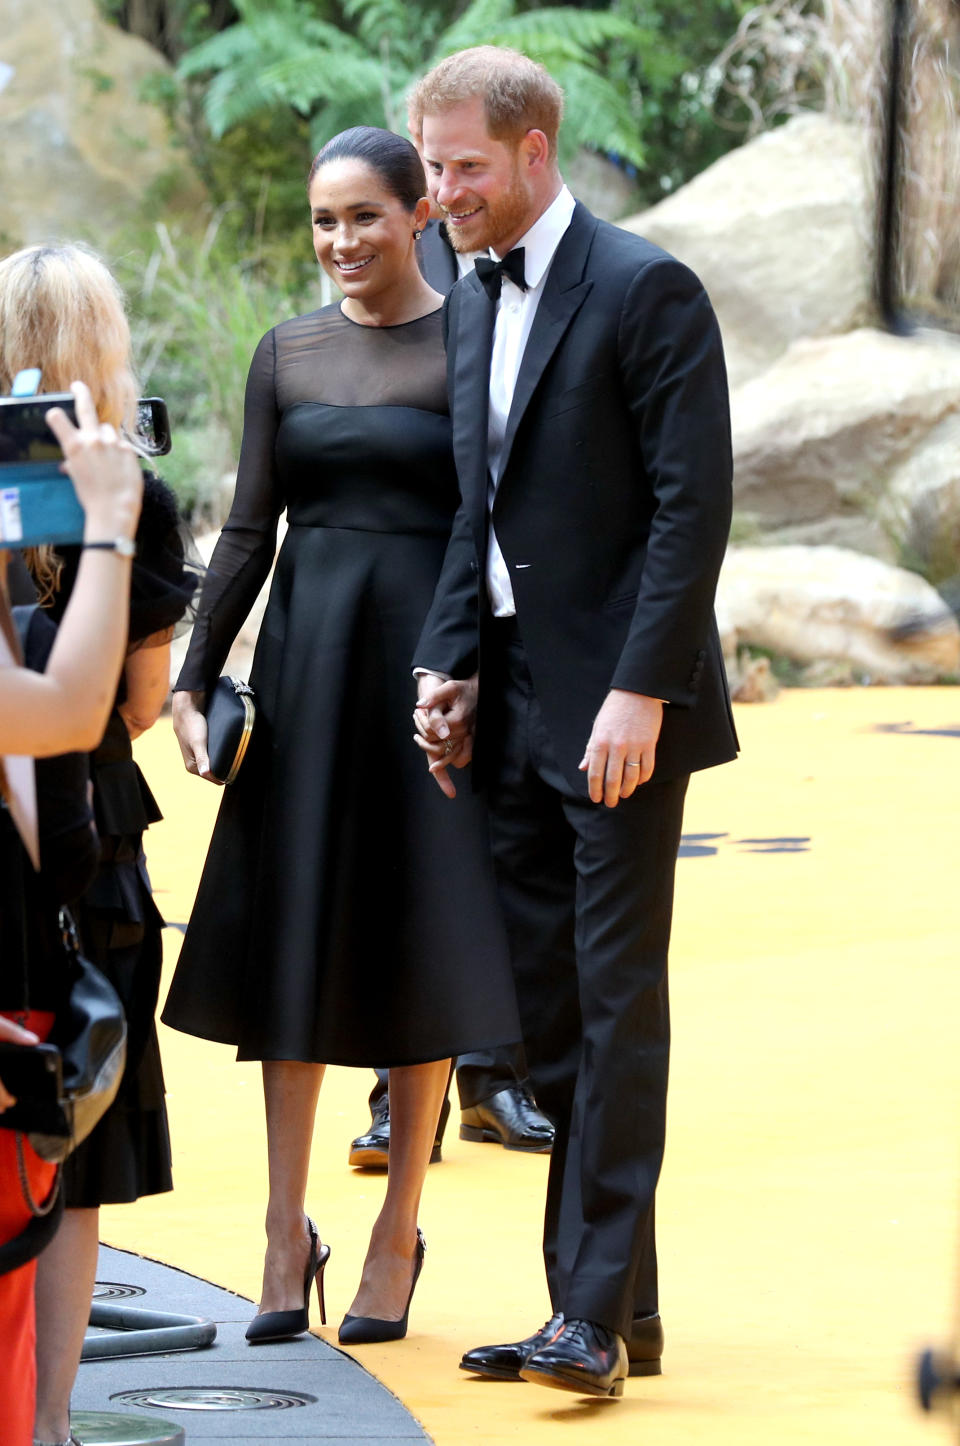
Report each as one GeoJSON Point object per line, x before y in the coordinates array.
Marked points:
{"type": "Point", "coordinates": [190, 726]}
{"type": "Point", "coordinates": [444, 719]}
{"type": "Point", "coordinates": [622, 747]}
{"type": "Point", "coordinates": [102, 466]}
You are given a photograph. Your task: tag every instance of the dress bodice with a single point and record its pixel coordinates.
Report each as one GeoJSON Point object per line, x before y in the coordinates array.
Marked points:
{"type": "Point", "coordinates": [345, 426]}
{"type": "Point", "coordinates": [381, 468]}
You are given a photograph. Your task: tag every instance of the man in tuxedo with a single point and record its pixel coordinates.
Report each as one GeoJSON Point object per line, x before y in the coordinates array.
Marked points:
{"type": "Point", "coordinates": [591, 433]}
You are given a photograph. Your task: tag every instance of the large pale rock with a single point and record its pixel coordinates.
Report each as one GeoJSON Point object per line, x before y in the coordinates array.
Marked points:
{"type": "Point", "coordinates": [78, 144]}
{"type": "Point", "coordinates": [779, 232]}
{"type": "Point", "coordinates": [827, 429]}
{"type": "Point", "coordinates": [922, 505]}
{"type": "Point", "coordinates": [827, 603]}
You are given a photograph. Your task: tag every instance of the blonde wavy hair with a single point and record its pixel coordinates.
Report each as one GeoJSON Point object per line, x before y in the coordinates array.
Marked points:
{"type": "Point", "coordinates": [61, 310]}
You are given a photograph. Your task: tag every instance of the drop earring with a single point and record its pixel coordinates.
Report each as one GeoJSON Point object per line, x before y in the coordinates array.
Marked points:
{"type": "Point", "coordinates": [417, 235]}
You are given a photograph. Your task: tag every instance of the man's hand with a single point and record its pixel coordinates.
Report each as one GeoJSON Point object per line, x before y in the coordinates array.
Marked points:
{"type": "Point", "coordinates": [444, 719]}
{"type": "Point", "coordinates": [622, 747]}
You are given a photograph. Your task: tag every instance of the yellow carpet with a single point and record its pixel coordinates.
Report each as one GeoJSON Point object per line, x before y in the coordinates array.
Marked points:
{"type": "Point", "coordinates": [808, 1204]}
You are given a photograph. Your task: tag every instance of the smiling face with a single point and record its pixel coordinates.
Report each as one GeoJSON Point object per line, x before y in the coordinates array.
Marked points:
{"type": "Point", "coordinates": [490, 191]}
{"type": "Point", "coordinates": [362, 233]}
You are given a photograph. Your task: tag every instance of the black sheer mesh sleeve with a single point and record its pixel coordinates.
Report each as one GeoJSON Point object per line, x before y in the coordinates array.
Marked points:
{"type": "Point", "coordinates": [244, 553]}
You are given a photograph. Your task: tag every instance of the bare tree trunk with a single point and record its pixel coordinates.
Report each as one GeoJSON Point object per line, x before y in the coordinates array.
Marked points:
{"type": "Point", "coordinates": [160, 22]}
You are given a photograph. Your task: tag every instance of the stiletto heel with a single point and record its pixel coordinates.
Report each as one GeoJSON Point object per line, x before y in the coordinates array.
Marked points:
{"type": "Point", "coordinates": [365, 1330]}
{"type": "Point", "coordinates": [278, 1325]}
{"type": "Point", "coordinates": [319, 1279]}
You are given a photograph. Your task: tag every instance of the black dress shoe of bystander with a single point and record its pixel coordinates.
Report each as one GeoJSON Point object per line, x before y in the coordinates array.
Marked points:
{"type": "Point", "coordinates": [645, 1346]}
{"type": "Point", "coordinates": [372, 1150]}
{"type": "Point", "coordinates": [509, 1118]}
{"type": "Point", "coordinates": [504, 1362]}
{"type": "Point", "coordinates": [583, 1357]}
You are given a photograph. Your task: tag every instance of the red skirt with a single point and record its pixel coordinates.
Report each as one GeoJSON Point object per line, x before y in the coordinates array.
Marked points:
{"type": "Point", "coordinates": [18, 1370]}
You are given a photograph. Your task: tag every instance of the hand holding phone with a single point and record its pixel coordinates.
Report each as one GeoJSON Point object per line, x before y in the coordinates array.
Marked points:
{"type": "Point", "coordinates": [38, 500]}
{"type": "Point", "coordinates": [103, 467]}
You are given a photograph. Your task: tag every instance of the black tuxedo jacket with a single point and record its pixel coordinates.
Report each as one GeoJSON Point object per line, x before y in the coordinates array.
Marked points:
{"type": "Point", "coordinates": [614, 500]}
{"type": "Point", "coordinates": [437, 258]}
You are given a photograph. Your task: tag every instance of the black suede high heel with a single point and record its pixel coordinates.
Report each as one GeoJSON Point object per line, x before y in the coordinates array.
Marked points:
{"type": "Point", "coordinates": [367, 1330]}
{"type": "Point", "coordinates": [278, 1325]}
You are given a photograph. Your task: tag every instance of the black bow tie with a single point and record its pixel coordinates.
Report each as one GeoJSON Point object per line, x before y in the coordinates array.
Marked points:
{"type": "Point", "coordinates": [491, 273]}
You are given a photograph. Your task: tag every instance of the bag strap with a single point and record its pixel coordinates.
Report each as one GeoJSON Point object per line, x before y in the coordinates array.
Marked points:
{"type": "Point", "coordinates": [35, 1238]}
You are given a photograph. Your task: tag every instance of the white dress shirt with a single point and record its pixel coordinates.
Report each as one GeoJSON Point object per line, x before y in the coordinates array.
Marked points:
{"type": "Point", "coordinates": [516, 310]}
{"type": "Point", "coordinates": [514, 319]}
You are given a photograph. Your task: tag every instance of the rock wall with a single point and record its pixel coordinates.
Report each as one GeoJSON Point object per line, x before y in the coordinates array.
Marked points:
{"type": "Point", "coordinates": [779, 232]}
{"type": "Point", "coordinates": [846, 439]}
{"type": "Point", "coordinates": [818, 604]}
{"type": "Point", "coordinates": [843, 433]}
{"type": "Point", "coordinates": [78, 143]}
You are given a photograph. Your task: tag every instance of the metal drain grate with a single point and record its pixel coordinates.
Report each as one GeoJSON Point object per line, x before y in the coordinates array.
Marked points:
{"type": "Point", "coordinates": [215, 1398]}
{"type": "Point", "coordinates": [113, 1290]}
{"type": "Point", "coordinates": [106, 1428]}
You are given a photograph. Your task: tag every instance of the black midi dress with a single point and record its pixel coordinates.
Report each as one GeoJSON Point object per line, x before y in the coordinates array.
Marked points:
{"type": "Point", "coordinates": [346, 912]}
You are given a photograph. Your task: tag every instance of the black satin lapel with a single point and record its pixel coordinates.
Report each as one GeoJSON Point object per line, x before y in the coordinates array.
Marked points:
{"type": "Point", "coordinates": [470, 398]}
{"type": "Point", "coordinates": [554, 315]}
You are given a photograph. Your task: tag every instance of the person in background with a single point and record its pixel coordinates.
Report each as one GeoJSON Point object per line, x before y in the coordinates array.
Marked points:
{"type": "Point", "coordinates": [72, 317]}
{"type": "Point", "coordinates": [61, 710]}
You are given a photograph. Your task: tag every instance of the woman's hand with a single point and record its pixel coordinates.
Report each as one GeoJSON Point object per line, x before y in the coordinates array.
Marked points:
{"type": "Point", "coordinates": [444, 717]}
{"type": "Point", "coordinates": [103, 468]}
{"type": "Point", "coordinates": [14, 1034]}
{"type": "Point", "coordinates": [190, 726]}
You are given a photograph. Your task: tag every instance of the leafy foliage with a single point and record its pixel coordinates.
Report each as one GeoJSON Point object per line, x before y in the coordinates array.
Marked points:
{"type": "Point", "coordinates": [198, 312]}
{"type": "Point", "coordinates": [283, 53]}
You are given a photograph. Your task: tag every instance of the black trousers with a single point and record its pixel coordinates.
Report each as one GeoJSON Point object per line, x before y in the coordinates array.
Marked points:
{"type": "Point", "coordinates": [480, 1074]}
{"type": "Point", "coordinates": [587, 893]}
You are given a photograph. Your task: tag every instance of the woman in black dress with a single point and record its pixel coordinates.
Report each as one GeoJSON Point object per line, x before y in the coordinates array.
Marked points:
{"type": "Point", "coordinates": [344, 915]}
{"type": "Point", "coordinates": [69, 320]}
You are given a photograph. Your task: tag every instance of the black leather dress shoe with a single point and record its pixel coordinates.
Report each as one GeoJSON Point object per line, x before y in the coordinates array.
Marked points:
{"type": "Point", "coordinates": [645, 1346]}
{"type": "Point", "coordinates": [509, 1118]}
{"type": "Point", "coordinates": [371, 1151]}
{"type": "Point", "coordinates": [504, 1363]}
{"type": "Point", "coordinates": [583, 1357]}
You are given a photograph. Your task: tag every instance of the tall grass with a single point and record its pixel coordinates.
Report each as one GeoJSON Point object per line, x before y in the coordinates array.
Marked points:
{"type": "Point", "coordinates": [199, 310]}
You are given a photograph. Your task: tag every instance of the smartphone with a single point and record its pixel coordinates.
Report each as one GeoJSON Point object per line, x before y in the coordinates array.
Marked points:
{"type": "Point", "coordinates": [37, 501]}
{"type": "Point", "coordinates": [33, 1074]}
{"type": "Point", "coordinates": [153, 425]}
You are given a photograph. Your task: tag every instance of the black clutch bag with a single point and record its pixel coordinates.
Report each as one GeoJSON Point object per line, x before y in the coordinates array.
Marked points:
{"type": "Point", "coordinates": [33, 1074]}
{"type": "Point", "coordinates": [230, 717]}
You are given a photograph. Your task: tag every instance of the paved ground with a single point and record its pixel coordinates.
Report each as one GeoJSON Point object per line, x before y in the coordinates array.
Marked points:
{"type": "Point", "coordinates": [344, 1406]}
{"type": "Point", "coordinates": [808, 1207]}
